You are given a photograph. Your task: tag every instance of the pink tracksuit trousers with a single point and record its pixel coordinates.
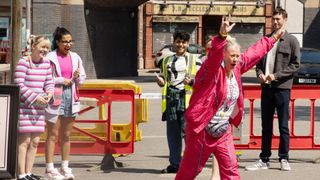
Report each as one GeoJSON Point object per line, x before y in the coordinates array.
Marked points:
{"type": "Point", "coordinates": [198, 149]}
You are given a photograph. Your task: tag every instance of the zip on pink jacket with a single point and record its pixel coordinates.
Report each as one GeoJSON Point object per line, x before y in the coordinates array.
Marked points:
{"type": "Point", "coordinates": [210, 89]}
{"type": "Point", "coordinates": [209, 92]}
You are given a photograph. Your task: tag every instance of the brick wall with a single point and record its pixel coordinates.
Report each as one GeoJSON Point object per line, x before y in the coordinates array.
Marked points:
{"type": "Point", "coordinates": [48, 14]}
{"type": "Point", "coordinates": [149, 60]}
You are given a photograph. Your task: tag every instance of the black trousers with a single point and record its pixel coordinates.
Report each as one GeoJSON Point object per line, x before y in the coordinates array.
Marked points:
{"type": "Point", "coordinates": [271, 99]}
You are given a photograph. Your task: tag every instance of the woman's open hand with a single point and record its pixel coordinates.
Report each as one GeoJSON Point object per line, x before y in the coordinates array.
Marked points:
{"type": "Point", "coordinates": [225, 26]}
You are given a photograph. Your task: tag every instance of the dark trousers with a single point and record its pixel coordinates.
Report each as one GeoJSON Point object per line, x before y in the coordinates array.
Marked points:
{"type": "Point", "coordinates": [271, 99]}
{"type": "Point", "coordinates": [176, 130]}
{"type": "Point", "coordinates": [176, 125]}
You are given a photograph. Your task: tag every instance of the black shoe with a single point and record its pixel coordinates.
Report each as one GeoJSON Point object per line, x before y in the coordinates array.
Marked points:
{"type": "Point", "coordinates": [169, 169]}
{"type": "Point", "coordinates": [33, 177]}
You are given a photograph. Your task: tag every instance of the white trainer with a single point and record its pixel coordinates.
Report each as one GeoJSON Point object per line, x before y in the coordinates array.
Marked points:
{"type": "Point", "coordinates": [257, 166]}
{"type": "Point", "coordinates": [67, 173]}
{"type": "Point", "coordinates": [285, 166]}
{"type": "Point", "coordinates": [53, 174]}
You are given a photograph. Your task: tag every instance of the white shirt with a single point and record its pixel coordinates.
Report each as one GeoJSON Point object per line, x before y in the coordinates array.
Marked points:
{"type": "Point", "coordinates": [226, 109]}
{"type": "Point", "coordinates": [271, 59]}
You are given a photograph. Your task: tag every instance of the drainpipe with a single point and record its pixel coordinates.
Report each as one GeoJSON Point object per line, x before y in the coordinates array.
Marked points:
{"type": "Point", "coordinates": [15, 38]}
{"type": "Point", "coordinates": [28, 22]}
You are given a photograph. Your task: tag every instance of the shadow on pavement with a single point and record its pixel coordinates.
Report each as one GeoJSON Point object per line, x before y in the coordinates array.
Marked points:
{"type": "Point", "coordinates": [72, 165]}
{"type": "Point", "coordinates": [134, 170]}
{"type": "Point", "coordinates": [159, 156]}
{"type": "Point", "coordinates": [275, 160]}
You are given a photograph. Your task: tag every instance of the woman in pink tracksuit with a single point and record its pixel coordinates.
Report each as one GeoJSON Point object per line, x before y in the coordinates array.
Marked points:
{"type": "Point", "coordinates": [217, 102]}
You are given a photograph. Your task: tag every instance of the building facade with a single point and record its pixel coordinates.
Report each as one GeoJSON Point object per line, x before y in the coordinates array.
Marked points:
{"type": "Point", "coordinates": [47, 15]}
{"type": "Point", "coordinates": [201, 19]}
{"type": "Point", "coordinates": [105, 32]}
{"type": "Point", "coordinates": [118, 37]}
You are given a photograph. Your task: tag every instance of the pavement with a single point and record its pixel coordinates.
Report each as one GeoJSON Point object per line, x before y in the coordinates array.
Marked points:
{"type": "Point", "coordinates": [151, 154]}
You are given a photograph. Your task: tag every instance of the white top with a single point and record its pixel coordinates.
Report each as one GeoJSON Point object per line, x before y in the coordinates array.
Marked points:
{"type": "Point", "coordinates": [177, 71]}
{"type": "Point", "coordinates": [224, 112]}
{"type": "Point", "coordinates": [271, 58]}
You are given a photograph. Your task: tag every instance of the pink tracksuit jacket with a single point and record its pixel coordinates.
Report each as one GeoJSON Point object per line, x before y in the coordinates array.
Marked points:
{"type": "Point", "coordinates": [209, 93]}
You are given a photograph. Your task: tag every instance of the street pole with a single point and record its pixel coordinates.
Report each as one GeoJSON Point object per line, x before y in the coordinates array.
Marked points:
{"type": "Point", "coordinates": [140, 37]}
{"type": "Point", "coordinates": [15, 38]}
{"type": "Point", "coordinates": [28, 23]}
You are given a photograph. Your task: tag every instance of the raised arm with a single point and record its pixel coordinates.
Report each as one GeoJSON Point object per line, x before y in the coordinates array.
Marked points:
{"type": "Point", "coordinates": [258, 50]}
{"type": "Point", "coordinates": [216, 52]}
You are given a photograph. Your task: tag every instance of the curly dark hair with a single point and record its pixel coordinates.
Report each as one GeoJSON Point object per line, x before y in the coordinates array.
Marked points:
{"type": "Point", "coordinates": [181, 35]}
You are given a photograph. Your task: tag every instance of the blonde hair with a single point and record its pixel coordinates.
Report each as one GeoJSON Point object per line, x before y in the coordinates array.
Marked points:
{"type": "Point", "coordinates": [33, 41]}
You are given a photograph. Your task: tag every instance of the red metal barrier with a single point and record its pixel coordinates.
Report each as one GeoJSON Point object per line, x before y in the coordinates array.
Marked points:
{"type": "Point", "coordinates": [102, 145]}
{"type": "Point", "coordinates": [303, 142]}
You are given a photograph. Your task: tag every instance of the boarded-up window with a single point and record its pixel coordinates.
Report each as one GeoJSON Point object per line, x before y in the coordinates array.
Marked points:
{"type": "Point", "coordinates": [247, 34]}
{"type": "Point", "coordinates": [163, 33]}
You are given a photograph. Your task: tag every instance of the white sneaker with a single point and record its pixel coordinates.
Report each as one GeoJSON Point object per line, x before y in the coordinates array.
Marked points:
{"type": "Point", "coordinates": [285, 165]}
{"type": "Point", "coordinates": [53, 174]}
{"type": "Point", "coordinates": [67, 173]}
{"type": "Point", "coordinates": [257, 166]}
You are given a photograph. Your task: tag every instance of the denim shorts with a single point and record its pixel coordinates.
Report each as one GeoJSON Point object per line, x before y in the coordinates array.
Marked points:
{"type": "Point", "coordinates": [66, 103]}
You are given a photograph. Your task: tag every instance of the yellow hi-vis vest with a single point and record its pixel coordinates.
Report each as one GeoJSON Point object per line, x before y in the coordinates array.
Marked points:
{"type": "Point", "coordinates": [190, 71]}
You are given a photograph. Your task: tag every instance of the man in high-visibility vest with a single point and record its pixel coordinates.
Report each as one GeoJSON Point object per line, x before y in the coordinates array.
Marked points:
{"type": "Point", "coordinates": [176, 78]}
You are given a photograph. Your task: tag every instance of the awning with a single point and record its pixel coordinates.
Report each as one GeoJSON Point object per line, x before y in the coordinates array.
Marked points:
{"type": "Point", "coordinates": [115, 3]}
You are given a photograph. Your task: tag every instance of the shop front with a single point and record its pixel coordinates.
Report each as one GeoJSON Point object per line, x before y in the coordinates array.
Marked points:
{"type": "Point", "coordinates": [202, 19]}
